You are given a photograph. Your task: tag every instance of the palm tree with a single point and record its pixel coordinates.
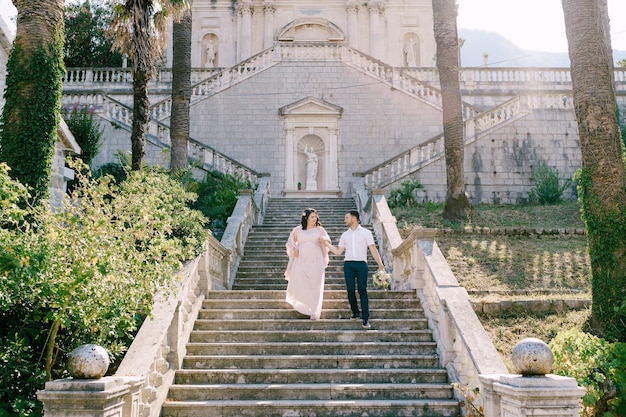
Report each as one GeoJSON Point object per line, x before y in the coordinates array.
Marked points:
{"type": "Point", "coordinates": [181, 91]}
{"type": "Point", "coordinates": [140, 28]}
{"type": "Point", "coordinates": [602, 179]}
{"type": "Point", "coordinates": [444, 24]}
{"type": "Point", "coordinates": [30, 117]}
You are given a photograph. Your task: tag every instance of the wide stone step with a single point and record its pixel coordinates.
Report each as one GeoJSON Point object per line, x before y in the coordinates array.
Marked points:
{"type": "Point", "coordinates": [317, 408]}
{"type": "Point", "coordinates": [283, 314]}
{"type": "Point", "coordinates": [309, 376]}
{"type": "Point", "coordinates": [310, 361]}
{"type": "Point", "coordinates": [328, 391]}
{"type": "Point", "coordinates": [264, 294]}
{"type": "Point", "coordinates": [328, 304]}
{"type": "Point", "coordinates": [307, 348]}
{"type": "Point", "coordinates": [277, 286]}
{"type": "Point", "coordinates": [258, 336]}
{"type": "Point", "coordinates": [306, 324]}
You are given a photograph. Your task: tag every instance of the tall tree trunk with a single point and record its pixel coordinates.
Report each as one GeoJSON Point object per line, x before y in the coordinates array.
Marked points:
{"type": "Point", "coordinates": [602, 189]}
{"type": "Point", "coordinates": [30, 117]}
{"type": "Point", "coordinates": [444, 24]}
{"type": "Point", "coordinates": [141, 114]}
{"type": "Point", "coordinates": [181, 91]}
{"type": "Point", "coordinates": [144, 55]}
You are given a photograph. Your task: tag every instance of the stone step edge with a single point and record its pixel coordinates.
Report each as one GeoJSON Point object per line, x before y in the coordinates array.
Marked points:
{"type": "Point", "coordinates": [312, 386]}
{"type": "Point", "coordinates": [387, 357]}
{"type": "Point", "coordinates": [308, 403]}
{"type": "Point", "coordinates": [310, 344]}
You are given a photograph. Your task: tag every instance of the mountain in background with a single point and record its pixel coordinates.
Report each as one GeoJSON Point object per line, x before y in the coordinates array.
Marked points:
{"type": "Point", "coordinates": [501, 52]}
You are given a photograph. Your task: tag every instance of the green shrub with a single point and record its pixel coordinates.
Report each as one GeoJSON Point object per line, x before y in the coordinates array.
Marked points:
{"type": "Point", "coordinates": [405, 195]}
{"type": "Point", "coordinates": [598, 366]}
{"type": "Point", "coordinates": [86, 131]}
{"type": "Point", "coordinates": [546, 189]}
{"type": "Point", "coordinates": [86, 274]}
{"type": "Point", "coordinates": [217, 196]}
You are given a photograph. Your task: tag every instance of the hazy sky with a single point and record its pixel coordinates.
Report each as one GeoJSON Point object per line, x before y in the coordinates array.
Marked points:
{"type": "Point", "coordinates": [531, 24]}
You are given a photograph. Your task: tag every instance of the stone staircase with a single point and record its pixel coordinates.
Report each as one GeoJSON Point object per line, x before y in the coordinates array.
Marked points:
{"type": "Point", "coordinates": [251, 354]}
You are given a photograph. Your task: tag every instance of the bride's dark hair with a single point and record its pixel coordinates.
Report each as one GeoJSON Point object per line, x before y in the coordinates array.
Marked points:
{"type": "Point", "coordinates": [305, 217]}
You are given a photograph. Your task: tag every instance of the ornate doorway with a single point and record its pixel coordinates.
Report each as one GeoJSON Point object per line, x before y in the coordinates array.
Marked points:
{"type": "Point", "coordinates": [311, 127]}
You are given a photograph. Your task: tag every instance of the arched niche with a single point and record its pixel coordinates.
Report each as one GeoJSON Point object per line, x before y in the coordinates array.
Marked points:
{"type": "Point", "coordinates": [209, 57]}
{"type": "Point", "coordinates": [411, 50]}
{"type": "Point", "coordinates": [311, 144]}
{"type": "Point", "coordinates": [311, 30]}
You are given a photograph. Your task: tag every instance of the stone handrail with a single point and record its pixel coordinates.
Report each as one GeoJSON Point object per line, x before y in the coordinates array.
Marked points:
{"type": "Point", "coordinates": [218, 81]}
{"type": "Point", "coordinates": [464, 347]}
{"type": "Point", "coordinates": [111, 77]}
{"type": "Point", "coordinates": [399, 79]}
{"type": "Point", "coordinates": [248, 211]}
{"type": "Point", "coordinates": [411, 160]}
{"type": "Point", "coordinates": [546, 78]}
{"type": "Point", "coordinates": [159, 135]}
{"type": "Point", "coordinates": [140, 384]}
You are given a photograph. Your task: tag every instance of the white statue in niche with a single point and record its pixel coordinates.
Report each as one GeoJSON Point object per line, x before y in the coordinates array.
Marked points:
{"type": "Point", "coordinates": [311, 167]}
{"type": "Point", "coordinates": [210, 55]}
{"type": "Point", "coordinates": [410, 52]}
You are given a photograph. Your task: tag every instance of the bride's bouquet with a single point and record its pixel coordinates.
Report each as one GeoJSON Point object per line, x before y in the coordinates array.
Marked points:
{"type": "Point", "coordinates": [382, 280]}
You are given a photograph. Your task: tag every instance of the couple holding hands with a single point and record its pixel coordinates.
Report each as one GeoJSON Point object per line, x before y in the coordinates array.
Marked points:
{"type": "Point", "coordinates": [308, 246]}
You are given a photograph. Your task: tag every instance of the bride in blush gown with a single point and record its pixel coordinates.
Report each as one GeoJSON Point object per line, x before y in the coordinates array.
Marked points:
{"type": "Point", "coordinates": [308, 259]}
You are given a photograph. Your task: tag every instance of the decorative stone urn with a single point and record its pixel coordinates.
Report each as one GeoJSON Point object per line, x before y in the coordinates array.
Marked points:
{"type": "Point", "coordinates": [88, 362]}
{"type": "Point", "coordinates": [532, 356]}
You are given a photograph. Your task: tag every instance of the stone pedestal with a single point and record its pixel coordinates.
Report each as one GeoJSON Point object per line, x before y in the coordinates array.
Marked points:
{"type": "Point", "coordinates": [515, 395]}
{"type": "Point", "coordinates": [104, 397]}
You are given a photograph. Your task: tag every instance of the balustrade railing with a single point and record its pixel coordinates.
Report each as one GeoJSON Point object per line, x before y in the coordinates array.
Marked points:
{"type": "Point", "coordinates": [218, 81]}
{"type": "Point", "coordinates": [159, 135]}
{"type": "Point", "coordinates": [411, 160]}
{"type": "Point", "coordinates": [417, 264]}
{"type": "Point", "coordinates": [123, 77]}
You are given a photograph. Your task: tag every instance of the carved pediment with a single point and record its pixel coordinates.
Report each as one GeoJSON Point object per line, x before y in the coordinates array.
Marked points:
{"type": "Point", "coordinates": [311, 106]}
{"type": "Point", "coordinates": [311, 30]}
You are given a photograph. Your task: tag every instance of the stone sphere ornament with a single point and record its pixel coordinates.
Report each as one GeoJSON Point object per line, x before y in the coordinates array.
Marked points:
{"type": "Point", "coordinates": [88, 362]}
{"type": "Point", "coordinates": [532, 356]}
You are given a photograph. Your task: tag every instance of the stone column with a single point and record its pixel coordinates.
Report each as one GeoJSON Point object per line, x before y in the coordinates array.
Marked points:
{"type": "Point", "coordinates": [353, 23]}
{"type": "Point", "coordinates": [332, 182]}
{"type": "Point", "coordinates": [376, 9]}
{"type": "Point", "coordinates": [245, 15]}
{"type": "Point", "coordinates": [268, 23]}
{"type": "Point", "coordinates": [289, 160]}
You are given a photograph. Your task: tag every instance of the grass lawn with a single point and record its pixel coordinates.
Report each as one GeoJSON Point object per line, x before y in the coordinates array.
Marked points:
{"type": "Point", "coordinates": [555, 266]}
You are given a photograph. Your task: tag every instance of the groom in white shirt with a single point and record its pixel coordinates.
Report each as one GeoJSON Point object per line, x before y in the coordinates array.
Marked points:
{"type": "Point", "coordinates": [355, 241]}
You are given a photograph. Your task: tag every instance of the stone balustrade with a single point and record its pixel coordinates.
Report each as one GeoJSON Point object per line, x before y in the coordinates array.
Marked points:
{"type": "Point", "coordinates": [159, 135]}
{"type": "Point", "coordinates": [247, 212]}
{"type": "Point", "coordinates": [411, 160]}
{"type": "Point", "coordinates": [111, 77]}
{"type": "Point", "coordinates": [471, 77]}
{"type": "Point", "coordinates": [464, 348]}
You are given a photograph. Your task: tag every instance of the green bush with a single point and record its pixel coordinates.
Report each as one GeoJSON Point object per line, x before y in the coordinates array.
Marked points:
{"type": "Point", "coordinates": [405, 195]}
{"type": "Point", "coordinates": [598, 366]}
{"type": "Point", "coordinates": [86, 274]}
{"type": "Point", "coordinates": [217, 196]}
{"type": "Point", "coordinates": [86, 131]}
{"type": "Point", "coordinates": [546, 189]}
